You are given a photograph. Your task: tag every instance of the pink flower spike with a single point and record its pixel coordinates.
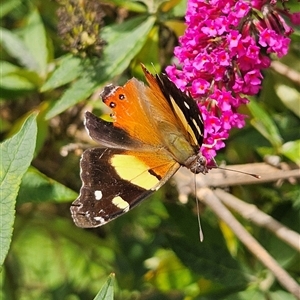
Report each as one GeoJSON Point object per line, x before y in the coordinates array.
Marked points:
{"type": "Point", "coordinates": [200, 87]}
{"type": "Point", "coordinates": [223, 58]}
{"type": "Point", "coordinates": [253, 77]}
{"type": "Point", "coordinates": [209, 29]}
{"type": "Point", "coordinates": [241, 9]}
{"type": "Point", "coordinates": [295, 18]}
{"type": "Point", "coordinates": [233, 39]}
{"type": "Point", "coordinates": [225, 46]}
{"type": "Point", "coordinates": [267, 38]}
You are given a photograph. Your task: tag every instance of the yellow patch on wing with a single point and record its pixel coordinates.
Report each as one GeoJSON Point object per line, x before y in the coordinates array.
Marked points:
{"type": "Point", "coordinates": [120, 203]}
{"type": "Point", "coordinates": [133, 169]}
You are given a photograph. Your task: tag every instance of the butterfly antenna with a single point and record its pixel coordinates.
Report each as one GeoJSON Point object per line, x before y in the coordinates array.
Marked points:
{"type": "Point", "coordinates": [201, 236]}
{"type": "Point", "coordinates": [237, 171]}
{"type": "Point", "coordinates": [232, 170]}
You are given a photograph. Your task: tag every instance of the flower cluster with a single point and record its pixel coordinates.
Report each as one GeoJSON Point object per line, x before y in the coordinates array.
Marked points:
{"type": "Point", "coordinates": [79, 26]}
{"type": "Point", "coordinates": [225, 46]}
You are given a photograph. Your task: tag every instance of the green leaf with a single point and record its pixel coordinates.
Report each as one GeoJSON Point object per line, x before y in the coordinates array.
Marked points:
{"type": "Point", "coordinates": [7, 6]}
{"type": "Point", "coordinates": [7, 67]}
{"type": "Point", "coordinates": [129, 5]}
{"type": "Point", "coordinates": [180, 9]}
{"type": "Point", "coordinates": [37, 187]}
{"type": "Point", "coordinates": [107, 290]}
{"type": "Point", "coordinates": [264, 124]}
{"type": "Point", "coordinates": [17, 49]}
{"type": "Point", "coordinates": [249, 294]}
{"type": "Point", "coordinates": [209, 259]}
{"type": "Point", "coordinates": [279, 295]}
{"type": "Point", "coordinates": [124, 42]}
{"type": "Point", "coordinates": [168, 273]}
{"type": "Point", "coordinates": [17, 153]}
{"type": "Point", "coordinates": [81, 89]}
{"type": "Point", "coordinates": [70, 68]}
{"type": "Point", "coordinates": [35, 39]}
{"type": "Point", "coordinates": [15, 82]}
{"type": "Point", "coordinates": [4, 125]}
{"type": "Point", "coordinates": [290, 98]}
{"type": "Point", "coordinates": [213, 263]}
{"type": "Point", "coordinates": [291, 150]}
{"type": "Point", "coordinates": [149, 54]}
{"type": "Point", "coordinates": [44, 244]}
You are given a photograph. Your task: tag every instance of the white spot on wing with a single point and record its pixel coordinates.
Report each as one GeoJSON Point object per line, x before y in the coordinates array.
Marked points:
{"type": "Point", "coordinates": [100, 219]}
{"type": "Point", "coordinates": [186, 105]}
{"type": "Point", "coordinates": [200, 119]}
{"type": "Point", "coordinates": [98, 195]}
{"type": "Point", "coordinates": [197, 127]}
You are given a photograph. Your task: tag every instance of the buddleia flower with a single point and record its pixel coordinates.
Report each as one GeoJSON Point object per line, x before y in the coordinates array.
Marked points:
{"type": "Point", "coordinates": [224, 48]}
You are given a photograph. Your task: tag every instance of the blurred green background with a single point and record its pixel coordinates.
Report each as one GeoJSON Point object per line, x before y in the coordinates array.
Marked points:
{"type": "Point", "coordinates": [56, 56]}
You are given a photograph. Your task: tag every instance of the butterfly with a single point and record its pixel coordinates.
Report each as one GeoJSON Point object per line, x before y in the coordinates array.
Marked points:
{"type": "Point", "coordinates": [156, 129]}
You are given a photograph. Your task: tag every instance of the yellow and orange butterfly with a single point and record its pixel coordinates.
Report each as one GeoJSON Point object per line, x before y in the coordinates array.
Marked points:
{"type": "Point", "coordinates": [156, 129]}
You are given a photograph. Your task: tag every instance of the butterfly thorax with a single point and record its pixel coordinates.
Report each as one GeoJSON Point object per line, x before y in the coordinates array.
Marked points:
{"type": "Point", "coordinates": [177, 144]}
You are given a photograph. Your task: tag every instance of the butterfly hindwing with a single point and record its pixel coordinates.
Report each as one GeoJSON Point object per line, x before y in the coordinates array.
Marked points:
{"type": "Point", "coordinates": [115, 181]}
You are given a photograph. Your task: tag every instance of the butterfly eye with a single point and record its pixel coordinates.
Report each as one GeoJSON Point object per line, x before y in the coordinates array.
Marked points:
{"type": "Point", "coordinates": [121, 97]}
{"type": "Point", "coordinates": [112, 104]}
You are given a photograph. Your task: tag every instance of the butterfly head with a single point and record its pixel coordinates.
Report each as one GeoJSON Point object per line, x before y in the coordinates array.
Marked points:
{"type": "Point", "coordinates": [197, 164]}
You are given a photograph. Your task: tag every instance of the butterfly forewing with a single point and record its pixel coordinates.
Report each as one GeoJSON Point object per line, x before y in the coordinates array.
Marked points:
{"type": "Point", "coordinates": [181, 110]}
{"type": "Point", "coordinates": [108, 135]}
{"type": "Point", "coordinates": [184, 107]}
